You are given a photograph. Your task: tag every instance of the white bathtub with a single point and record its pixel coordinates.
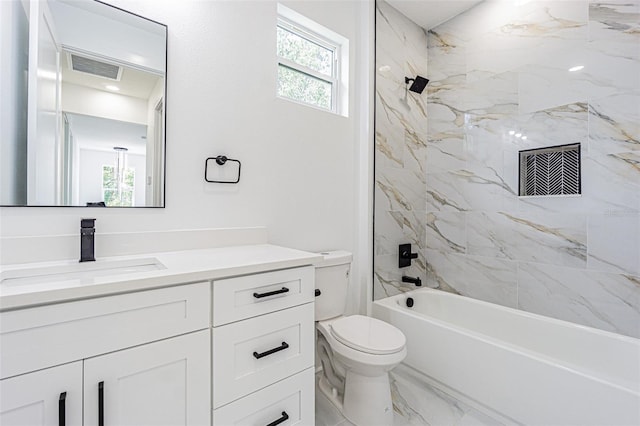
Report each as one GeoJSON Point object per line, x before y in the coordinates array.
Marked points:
{"type": "Point", "coordinates": [528, 368]}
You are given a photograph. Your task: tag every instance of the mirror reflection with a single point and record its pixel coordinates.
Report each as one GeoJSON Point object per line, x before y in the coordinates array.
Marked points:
{"type": "Point", "coordinates": [86, 110]}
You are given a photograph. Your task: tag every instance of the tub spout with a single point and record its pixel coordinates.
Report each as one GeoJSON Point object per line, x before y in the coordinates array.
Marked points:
{"type": "Point", "coordinates": [417, 281]}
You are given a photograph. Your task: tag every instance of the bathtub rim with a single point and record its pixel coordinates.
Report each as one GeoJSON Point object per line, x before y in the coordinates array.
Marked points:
{"type": "Point", "coordinates": [391, 299]}
{"type": "Point", "coordinates": [630, 387]}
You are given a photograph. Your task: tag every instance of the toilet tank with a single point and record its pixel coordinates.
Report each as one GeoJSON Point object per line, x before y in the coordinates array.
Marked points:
{"type": "Point", "coordinates": [332, 279]}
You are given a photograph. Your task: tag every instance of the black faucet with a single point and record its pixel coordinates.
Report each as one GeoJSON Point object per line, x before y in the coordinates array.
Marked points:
{"type": "Point", "coordinates": [417, 281]}
{"type": "Point", "coordinates": [87, 233]}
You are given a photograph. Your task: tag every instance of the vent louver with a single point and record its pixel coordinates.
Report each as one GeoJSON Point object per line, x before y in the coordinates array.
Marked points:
{"type": "Point", "coordinates": [551, 170]}
{"type": "Point", "coordinates": [94, 67]}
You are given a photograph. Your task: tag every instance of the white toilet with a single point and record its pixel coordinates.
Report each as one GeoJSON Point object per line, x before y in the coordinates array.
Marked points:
{"type": "Point", "coordinates": [356, 352]}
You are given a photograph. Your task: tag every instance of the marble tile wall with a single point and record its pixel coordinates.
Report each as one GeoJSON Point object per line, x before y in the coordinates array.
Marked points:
{"type": "Point", "coordinates": [502, 67]}
{"type": "Point", "coordinates": [401, 150]}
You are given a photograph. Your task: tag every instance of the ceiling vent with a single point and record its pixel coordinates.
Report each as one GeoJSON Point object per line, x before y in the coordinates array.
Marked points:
{"type": "Point", "coordinates": [94, 67]}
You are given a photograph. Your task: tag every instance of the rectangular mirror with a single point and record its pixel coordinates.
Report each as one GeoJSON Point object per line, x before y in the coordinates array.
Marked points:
{"type": "Point", "coordinates": [83, 105]}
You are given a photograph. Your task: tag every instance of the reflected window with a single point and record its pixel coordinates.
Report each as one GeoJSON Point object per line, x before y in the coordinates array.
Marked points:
{"type": "Point", "coordinates": [117, 191]}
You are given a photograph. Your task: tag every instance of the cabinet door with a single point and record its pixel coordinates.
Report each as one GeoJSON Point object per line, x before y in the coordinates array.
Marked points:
{"type": "Point", "coordinates": [160, 383]}
{"type": "Point", "coordinates": [46, 397]}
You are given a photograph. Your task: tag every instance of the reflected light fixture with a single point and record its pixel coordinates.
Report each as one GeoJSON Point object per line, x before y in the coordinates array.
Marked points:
{"type": "Point", "coordinates": [120, 166]}
{"type": "Point", "coordinates": [112, 88]}
{"type": "Point", "coordinates": [576, 68]}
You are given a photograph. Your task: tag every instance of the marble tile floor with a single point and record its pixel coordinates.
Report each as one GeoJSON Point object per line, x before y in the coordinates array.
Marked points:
{"type": "Point", "coordinates": [415, 403]}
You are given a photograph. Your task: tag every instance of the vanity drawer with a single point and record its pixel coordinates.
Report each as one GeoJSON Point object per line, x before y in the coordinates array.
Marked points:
{"type": "Point", "coordinates": [252, 354]}
{"type": "Point", "coordinates": [248, 296]}
{"type": "Point", "coordinates": [45, 336]}
{"type": "Point", "coordinates": [292, 398]}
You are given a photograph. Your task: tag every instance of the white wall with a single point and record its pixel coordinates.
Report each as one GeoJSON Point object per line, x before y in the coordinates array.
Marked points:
{"type": "Point", "coordinates": [98, 103]}
{"type": "Point", "coordinates": [299, 165]}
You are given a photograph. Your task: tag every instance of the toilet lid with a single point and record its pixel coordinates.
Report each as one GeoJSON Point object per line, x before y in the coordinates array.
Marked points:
{"type": "Point", "coordinates": [368, 335]}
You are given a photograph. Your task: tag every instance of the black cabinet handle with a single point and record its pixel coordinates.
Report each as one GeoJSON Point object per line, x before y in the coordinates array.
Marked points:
{"type": "Point", "coordinates": [282, 347]}
{"type": "Point", "coordinates": [283, 418]}
{"type": "Point", "coordinates": [270, 293]}
{"type": "Point", "coordinates": [101, 404]}
{"type": "Point", "coordinates": [62, 412]}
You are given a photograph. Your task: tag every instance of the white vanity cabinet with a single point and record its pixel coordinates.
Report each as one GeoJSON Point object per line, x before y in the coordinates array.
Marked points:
{"type": "Point", "coordinates": [222, 336]}
{"type": "Point", "coordinates": [263, 349]}
{"type": "Point", "coordinates": [130, 359]}
{"type": "Point", "coordinates": [52, 396]}
{"type": "Point", "coordinates": [160, 383]}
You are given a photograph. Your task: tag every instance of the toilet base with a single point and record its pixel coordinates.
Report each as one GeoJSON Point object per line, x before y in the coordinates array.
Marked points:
{"type": "Point", "coordinates": [367, 400]}
{"type": "Point", "coordinates": [330, 392]}
{"type": "Point", "coordinates": [356, 382]}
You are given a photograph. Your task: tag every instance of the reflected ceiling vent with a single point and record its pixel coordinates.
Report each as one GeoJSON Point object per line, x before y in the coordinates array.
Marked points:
{"type": "Point", "coordinates": [95, 67]}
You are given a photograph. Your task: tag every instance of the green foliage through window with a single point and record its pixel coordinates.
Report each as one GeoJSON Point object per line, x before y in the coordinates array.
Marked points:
{"type": "Point", "coordinates": [307, 66]}
{"type": "Point", "coordinates": [305, 52]}
{"type": "Point", "coordinates": [304, 88]}
{"type": "Point", "coordinates": [115, 195]}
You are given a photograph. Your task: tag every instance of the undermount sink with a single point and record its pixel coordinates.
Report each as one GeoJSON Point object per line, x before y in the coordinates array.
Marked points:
{"type": "Point", "coordinates": [78, 271]}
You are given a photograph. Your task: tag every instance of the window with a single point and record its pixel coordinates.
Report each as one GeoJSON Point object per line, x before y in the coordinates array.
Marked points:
{"type": "Point", "coordinates": [115, 195]}
{"type": "Point", "coordinates": [310, 62]}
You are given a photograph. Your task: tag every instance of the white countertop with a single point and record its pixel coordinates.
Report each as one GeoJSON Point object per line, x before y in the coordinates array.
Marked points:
{"type": "Point", "coordinates": [181, 267]}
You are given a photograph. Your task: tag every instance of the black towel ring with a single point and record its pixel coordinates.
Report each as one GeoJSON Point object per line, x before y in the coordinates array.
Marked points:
{"type": "Point", "coordinates": [221, 160]}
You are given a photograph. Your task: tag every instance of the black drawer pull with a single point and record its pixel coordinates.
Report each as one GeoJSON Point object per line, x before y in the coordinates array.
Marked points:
{"type": "Point", "coordinates": [283, 418]}
{"type": "Point", "coordinates": [282, 347]}
{"type": "Point", "coordinates": [62, 414]}
{"type": "Point", "coordinates": [270, 293]}
{"type": "Point", "coordinates": [101, 404]}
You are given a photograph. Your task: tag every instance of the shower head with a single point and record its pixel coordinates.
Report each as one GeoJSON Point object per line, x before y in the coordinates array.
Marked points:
{"type": "Point", "coordinates": [417, 84]}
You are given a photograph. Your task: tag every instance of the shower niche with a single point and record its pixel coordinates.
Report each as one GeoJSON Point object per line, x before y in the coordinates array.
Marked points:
{"type": "Point", "coordinates": [550, 171]}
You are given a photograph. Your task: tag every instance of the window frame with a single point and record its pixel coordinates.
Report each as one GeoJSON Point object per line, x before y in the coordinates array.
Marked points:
{"type": "Point", "coordinates": [325, 42]}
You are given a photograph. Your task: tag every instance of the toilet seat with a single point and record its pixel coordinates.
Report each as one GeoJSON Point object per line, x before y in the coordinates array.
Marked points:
{"type": "Point", "coordinates": [368, 335]}
{"type": "Point", "coordinates": [348, 354]}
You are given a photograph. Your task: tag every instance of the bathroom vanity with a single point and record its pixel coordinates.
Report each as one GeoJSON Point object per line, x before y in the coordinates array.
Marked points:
{"type": "Point", "coordinates": [216, 336]}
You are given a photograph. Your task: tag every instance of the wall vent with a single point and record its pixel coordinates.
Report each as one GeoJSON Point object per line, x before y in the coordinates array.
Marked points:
{"type": "Point", "coordinates": [94, 67]}
{"type": "Point", "coordinates": [553, 170]}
